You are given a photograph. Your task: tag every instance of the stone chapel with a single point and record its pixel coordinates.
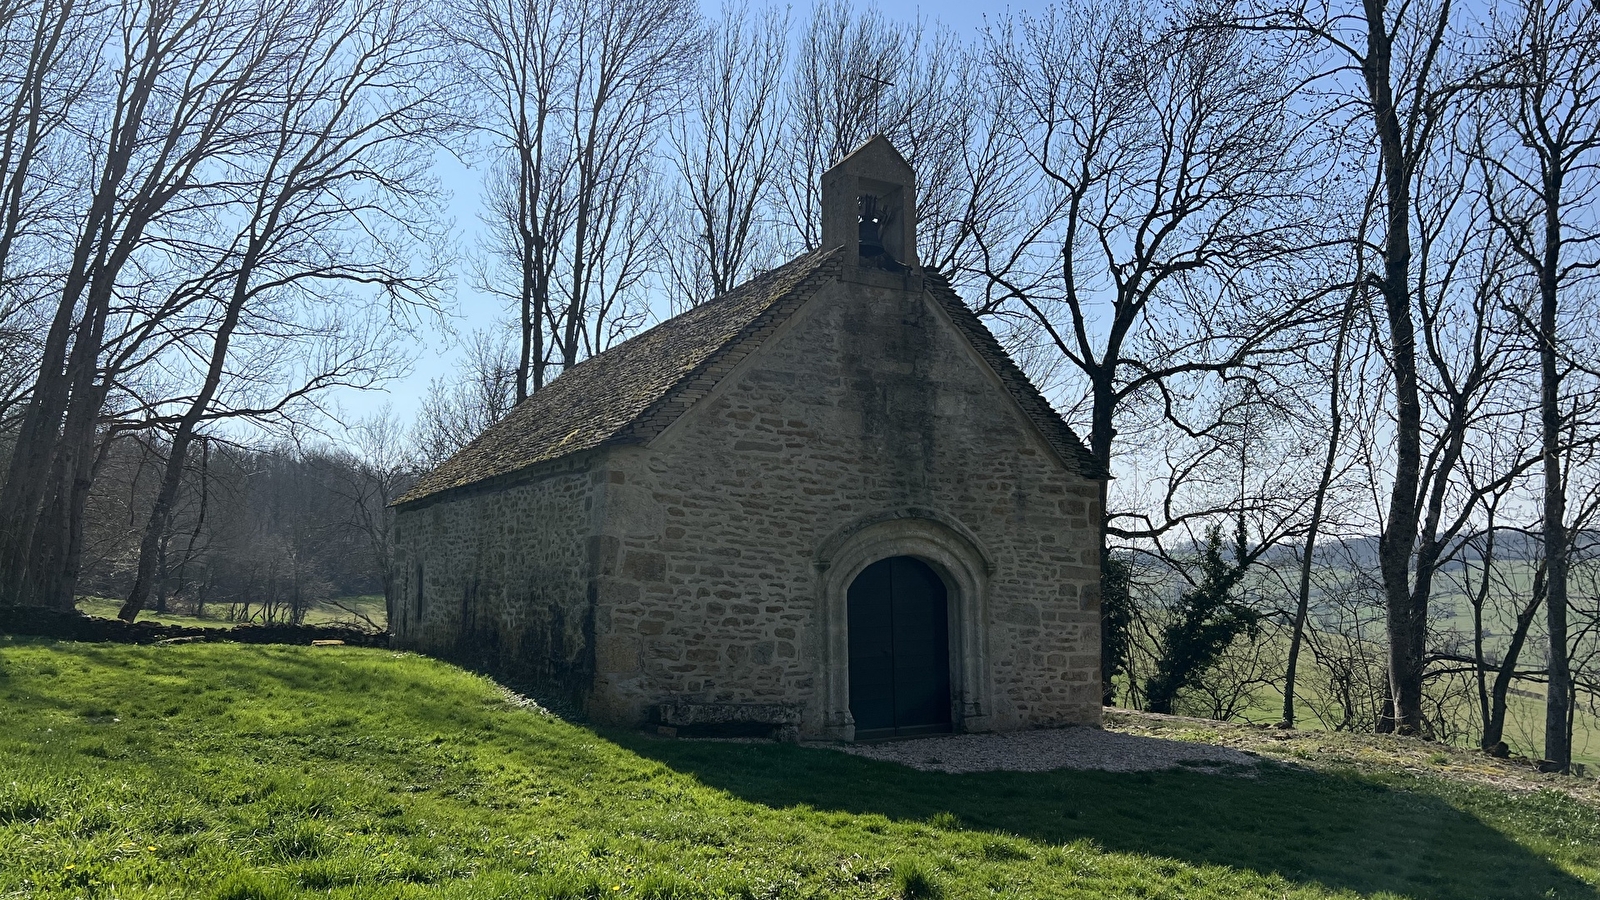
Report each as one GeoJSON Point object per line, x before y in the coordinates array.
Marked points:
{"type": "Point", "coordinates": [826, 504]}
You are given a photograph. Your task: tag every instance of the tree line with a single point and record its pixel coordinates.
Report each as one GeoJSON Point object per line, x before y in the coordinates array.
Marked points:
{"type": "Point", "coordinates": [1316, 281]}
{"type": "Point", "coordinates": [255, 534]}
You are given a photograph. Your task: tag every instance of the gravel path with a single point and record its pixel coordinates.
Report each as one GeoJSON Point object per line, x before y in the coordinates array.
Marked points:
{"type": "Point", "coordinates": [1057, 748]}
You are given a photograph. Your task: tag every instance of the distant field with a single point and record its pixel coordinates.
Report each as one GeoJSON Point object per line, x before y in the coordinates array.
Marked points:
{"type": "Point", "coordinates": [332, 612]}
{"type": "Point", "coordinates": [1524, 722]}
{"type": "Point", "coordinates": [1524, 719]}
{"type": "Point", "coordinates": [1450, 610]}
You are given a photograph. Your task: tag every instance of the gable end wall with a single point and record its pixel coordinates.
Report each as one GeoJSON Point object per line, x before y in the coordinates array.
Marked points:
{"type": "Point", "coordinates": [866, 403]}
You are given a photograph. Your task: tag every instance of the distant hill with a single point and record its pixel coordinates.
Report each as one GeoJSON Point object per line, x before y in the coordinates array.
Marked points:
{"type": "Point", "coordinates": [1362, 550]}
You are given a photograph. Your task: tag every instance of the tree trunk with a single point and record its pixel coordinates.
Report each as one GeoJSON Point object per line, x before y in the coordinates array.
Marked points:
{"type": "Point", "coordinates": [1319, 500]}
{"type": "Point", "coordinates": [529, 312]}
{"type": "Point", "coordinates": [50, 574]}
{"type": "Point", "coordinates": [25, 494]}
{"type": "Point", "coordinates": [35, 496]}
{"type": "Point", "coordinates": [57, 429]}
{"type": "Point", "coordinates": [160, 519]}
{"type": "Point", "coordinates": [200, 597]}
{"type": "Point", "coordinates": [1407, 609]}
{"type": "Point", "coordinates": [1557, 734]}
{"type": "Point", "coordinates": [199, 523]}
{"type": "Point", "coordinates": [1101, 435]}
{"type": "Point", "coordinates": [1494, 727]}
{"type": "Point", "coordinates": [1479, 602]}
{"type": "Point", "coordinates": [161, 574]}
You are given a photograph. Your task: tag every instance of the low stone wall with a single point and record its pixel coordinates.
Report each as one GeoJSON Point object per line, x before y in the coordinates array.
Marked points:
{"type": "Point", "coordinates": [75, 626]}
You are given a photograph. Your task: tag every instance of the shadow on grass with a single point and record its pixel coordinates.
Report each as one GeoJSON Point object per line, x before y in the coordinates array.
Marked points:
{"type": "Point", "coordinates": [1337, 831]}
{"type": "Point", "coordinates": [1341, 832]}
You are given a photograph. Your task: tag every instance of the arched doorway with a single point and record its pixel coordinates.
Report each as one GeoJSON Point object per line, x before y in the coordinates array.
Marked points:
{"type": "Point", "coordinates": [899, 635]}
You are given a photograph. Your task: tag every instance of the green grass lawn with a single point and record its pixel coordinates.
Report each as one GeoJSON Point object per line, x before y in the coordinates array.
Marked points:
{"type": "Point", "coordinates": [228, 771]}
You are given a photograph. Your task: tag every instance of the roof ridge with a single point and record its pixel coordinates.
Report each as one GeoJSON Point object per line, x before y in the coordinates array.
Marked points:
{"type": "Point", "coordinates": [754, 283]}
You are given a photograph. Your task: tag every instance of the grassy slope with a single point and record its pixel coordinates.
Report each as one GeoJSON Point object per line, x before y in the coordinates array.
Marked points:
{"type": "Point", "coordinates": [1376, 755]}
{"type": "Point", "coordinates": [1524, 722]}
{"type": "Point", "coordinates": [253, 772]}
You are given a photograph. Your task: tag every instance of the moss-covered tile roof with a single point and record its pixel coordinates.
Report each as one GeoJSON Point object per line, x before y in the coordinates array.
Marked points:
{"type": "Point", "coordinates": [613, 395]}
{"type": "Point", "coordinates": [633, 390]}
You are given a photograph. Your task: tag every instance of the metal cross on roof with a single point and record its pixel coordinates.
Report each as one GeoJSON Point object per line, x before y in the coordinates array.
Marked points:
{"type": "Point", "coordinates": [877, 97]}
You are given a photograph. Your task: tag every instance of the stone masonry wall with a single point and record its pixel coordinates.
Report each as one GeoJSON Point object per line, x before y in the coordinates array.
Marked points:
{"type": "Point", "coordinates": [866, 401]}
{"type": "Point", "coordinates": [499, 579]}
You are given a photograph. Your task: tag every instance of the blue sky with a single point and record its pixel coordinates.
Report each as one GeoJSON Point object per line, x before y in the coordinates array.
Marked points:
{"type": "Point", "coordinates": [438, 350]}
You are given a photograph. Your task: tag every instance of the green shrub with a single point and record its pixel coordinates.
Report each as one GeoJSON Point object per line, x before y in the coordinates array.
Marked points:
{"type": "Point", "coordinates": [1116, 623]}
{"type": "Point", "coordinates": [1206, 621]}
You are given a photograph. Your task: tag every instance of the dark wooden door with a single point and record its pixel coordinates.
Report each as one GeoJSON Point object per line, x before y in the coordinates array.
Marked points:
{"type": "Point", "coordinates": [899, 650]}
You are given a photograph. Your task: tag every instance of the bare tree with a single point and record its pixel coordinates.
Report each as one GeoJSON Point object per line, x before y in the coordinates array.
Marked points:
{"type": "Point", "coordinates": [1494, 582]}
{"type": "Point", "coordinates": [1319, 500]}
{"type": "Point", "coordinates": [517, 55]}
{"type": "Point", "coordinates": [1471, 433]}
{"type": "Point", "coordinates": [856, 74]}
{"type": "Point", "coordinates": [243, 195]}
{"type": "Point", "coordinates": [726, 150]}
{"type": "Point", "coordinates": [456, 410]}
{"type": "Point", "coordinates": [844, 64]}
{"type": "Point", "coordinates": [749, 155]}
{"type": "Point", "coordinates": [634, 58]}
{"type": "Point", "coordinates": [1171, 205]}
{"type": "Point", "coordinates": [578, 94]}
{"type": "Point", "coordinates": [17, 365]}
{"type": "Point", "coordinates": [47, 64]}
{"type": "Point", "coordinates": [1173, 176]}
{"type": "Point", "coordinates": [1404, 110]}
{"type": "Point", "coordinates": [1348, 644]}
{"type": "Point", "coordinates": [345, 139]}
{"type": "Point", "coordinates": [1540, 147]}
{"type": "Point", "coordinates": [1397, 113]}
{"type": "Point", "coordinates": [176, 99]}
{"type": "Point", "coordinates": [375, 473]}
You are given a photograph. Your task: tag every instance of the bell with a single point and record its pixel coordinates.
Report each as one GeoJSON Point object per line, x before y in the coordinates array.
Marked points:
{"type": "Point", "coordinates": [871, 239]}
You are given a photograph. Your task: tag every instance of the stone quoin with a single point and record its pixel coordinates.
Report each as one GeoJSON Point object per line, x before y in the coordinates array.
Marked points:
{"type": "Point", "coordinates": [826, 504]}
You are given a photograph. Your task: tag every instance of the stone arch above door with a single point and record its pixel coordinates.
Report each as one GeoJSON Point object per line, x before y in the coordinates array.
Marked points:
{"type": "Point", "coordinates": [958, 559]}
